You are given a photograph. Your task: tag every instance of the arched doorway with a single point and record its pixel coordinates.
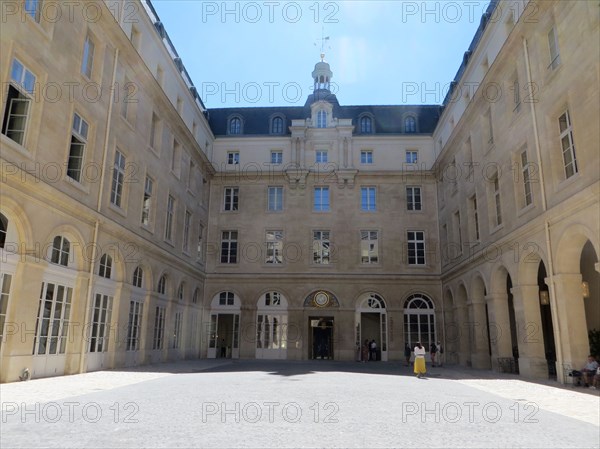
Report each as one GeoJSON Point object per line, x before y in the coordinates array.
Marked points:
{"type": "Point", "coordinates": [224, 332]}
{"type": "Point", "coordinates": [371, 323]}
{"type": "Point", "coordinates": [271, 326]}
{"type": "Point", "coordinates": [546, 321]}
{"type": "Point", "coordinates": [419, 320]}
{"type": "Point", "coordinates": [321, 329]}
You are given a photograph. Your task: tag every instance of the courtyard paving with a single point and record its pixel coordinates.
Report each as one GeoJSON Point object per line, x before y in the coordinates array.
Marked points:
{"type": "Point", "coordinates": [288, 404]}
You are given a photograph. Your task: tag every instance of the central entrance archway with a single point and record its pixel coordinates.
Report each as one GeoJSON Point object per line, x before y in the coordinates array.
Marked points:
{"type": "Point", "coordinates": [320, 338]}
{"type": "Point", "coordinates": [371, 324]}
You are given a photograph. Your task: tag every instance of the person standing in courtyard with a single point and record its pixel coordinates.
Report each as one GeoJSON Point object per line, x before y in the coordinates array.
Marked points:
{"type": "Point", "coordinates": [365, 351]}
{"type": "Point", "coordinates": [419, 367]}
{"type": "Point", "coordinates": [407, 353]}
{"type": "Point", "coordinates": [432, 352]}
{"type": "Point", "coordinates": [373, 348]}
{"type": "Point", "coordinates": [440, 353]}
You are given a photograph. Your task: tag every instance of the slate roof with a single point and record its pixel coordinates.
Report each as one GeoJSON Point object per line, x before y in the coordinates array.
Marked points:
{"type": "Point", "coordinates": [386, 119]}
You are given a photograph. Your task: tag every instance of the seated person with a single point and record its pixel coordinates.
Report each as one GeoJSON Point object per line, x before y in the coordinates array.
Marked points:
{"type": "Point", "coordinates": [596, 384]}
{"type": "Point", "coordinates": [589, 370]}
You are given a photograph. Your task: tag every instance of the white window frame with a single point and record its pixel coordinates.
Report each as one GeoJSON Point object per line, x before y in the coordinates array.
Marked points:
{"type": "Point", "coordinates": [169, 215]}
{"type": "Point", "coordinates": [275, 198]}
{"type": "Point", "coordinates": [79, 136]}
{"type": "Point", "coordinates": [368, 198]}
{"type": "Point", "coordinates": [414, 198]}
{"type": "Point", "coordinates": [416, 243]}
{"type": "Point", "coordinates": [231, 199]}
{"type": "Point", "coordinates": [369, 247]}
{"type": "Point", "coordinates": [118, 179]}
{"type": "Point", "coordinates": [274, 247]}
{"type": "Point", "coordinates": [566, 135]}
{"type": "Point", "coordinates": [322, 247]}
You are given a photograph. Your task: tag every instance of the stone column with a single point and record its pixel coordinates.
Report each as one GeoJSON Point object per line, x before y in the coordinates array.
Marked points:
{"type": "Point", "coordinates": [532, 359]}
{"type": "Point", "coordinates": [570, 308]}
{"type": "Point", "coordinates": [480, 357]}
{"type": "Point", "coordinates": [499, 327]}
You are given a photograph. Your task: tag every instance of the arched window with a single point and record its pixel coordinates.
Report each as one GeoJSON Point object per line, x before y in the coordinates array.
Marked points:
{"type": "Point", "coordinates": [410, 125]}
{"type": "Point", "coordinates": [196, 296]}
{"type": "Point", "coordinates": [180, 292]}
{"type": "Point", "coordinates": [226, 299]}
{"type": "Point", "coordinates": [272, 299]}
{"type": "Point", "coordinates": [375, 301]}
{"type": "Point", "coordinates": [61, 248]}
{"type": "Point", "coordinates": [138, 277]}
{"type": "Point", "coordinates": [322, 119]}
{"type": "Point", "coordinates": [105, 266]}
{"type": "Point", "coordinates": [277, 125]}
{"type": "Point", "coordinates": [3, 230]}
{"type": "Point", "coordinates": [366, 125]}
{"type": "Point", "coordinates": [162, 285]}
{"type": "Point", "coordinates": [419, 320]}
{"type": "Point", "coordinates": [235, 125]}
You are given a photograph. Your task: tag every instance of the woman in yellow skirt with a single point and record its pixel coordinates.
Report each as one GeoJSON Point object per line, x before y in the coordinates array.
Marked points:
{"type": "Point", "coordinates": [419, 360]}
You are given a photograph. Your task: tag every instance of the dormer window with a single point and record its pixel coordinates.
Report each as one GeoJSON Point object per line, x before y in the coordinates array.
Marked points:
{"type": "Point", "coordinates": [322, 119]}
{"type": "Point", "coordinates": [366, 125]}
{"type": "Point", "coordinates": [235, 125]}
{"type": "Point", "coordinates": [277, 125]}
{"type": "Point", "coordinates": [410, 124]}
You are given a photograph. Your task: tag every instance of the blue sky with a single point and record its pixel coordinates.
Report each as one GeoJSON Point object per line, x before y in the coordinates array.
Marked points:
{"type": "Point", "coordinates": [262, 53]}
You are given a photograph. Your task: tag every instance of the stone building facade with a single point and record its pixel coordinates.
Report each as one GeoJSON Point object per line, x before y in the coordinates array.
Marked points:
{"type": "Point", "coordinates": [139, 227]}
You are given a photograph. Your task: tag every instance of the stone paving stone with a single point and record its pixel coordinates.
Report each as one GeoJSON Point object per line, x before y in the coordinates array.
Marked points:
{"type": "Point", "coordinates": [287, 404]}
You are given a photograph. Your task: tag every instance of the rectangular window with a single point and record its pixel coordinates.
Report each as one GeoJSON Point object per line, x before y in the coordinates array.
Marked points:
{"type": "Point", "coordinates": [567, 144]}
{"type": "Point", "coordinates": [176, 158]}
{"type": "Point", "coordinates": [229, 246]}
{"type": "Point", "coordinates": [516, 93]}
{"type": "Point", "coordinates": [489, 130]}
{"type": "Point", "coordinates": [52, 319]}
{"type": "Point", "coordinates": [553, 47]}
{"type": "Point", "coordinates": [475, 217]}
{"type": "Point", "coordinates": [147, 203]}
{"type": "Point", "coordinates": [186, 231]}
{"type": "Point", "coordinates": [413, 198]}
{"type": "Point", "coordinates": [412, 157]}
{"type": "Point", "coordinates": [275, 199]}
{"type": "Point", "coordinates": [18, 101]}
{"type": "Point", "coordinates": [230, 198]}
{"type": "Point", "coordinates": [159, 328]}
{"type": "Point", "coordinates": [321, 156]}
{"type": "Point", "coordinates": [134, 325]}
{"type": "Point", "coordinates": [155, 137]}
{"type": "Point", "coordinates": [274, 241]}
{"type": "Point", "coordinates": [416, 247]}
{"type": "Point", "coordinates": [34, 9]}
{"type": "Point", "coordinates": [369, 247]}
{"type": "Point", "coordinates": [366, 157]}
{"type": "Point", "coordinates": [177, 330]}
{"type": "Point", "coordinates": [79, 135]}
{"type": "Point", "coordinates": [87, 61]}
{"type": "Point", "coordinates": [169, 218]}
{"type": "Point", "coordinates": [116, 191]}
{"type": "Point", "coordinates": [200, 247]}
{"type": "Point", "coordinates": [233, 157]}
{"type": "Point", "coordinates": [458, 231]}
{"type": "Point", "coordinates": [525, 167]}
{"type": "Point", "coordinates": [101, 313]}
{"type": "Point", "coordinates": [276, 157]}
{"type": "Point", "coordinates": [321, 245]}
{"type": "Point", "coordinates": [368, 198]}
{"type": "Point", "coordinates": [5, 281]}
{"type": "Point", "coordinates": [496, 185]}
{"type": "Point", "coordinates": [126, 92]}
{"type": "Point", "coordinates": [321, 199]}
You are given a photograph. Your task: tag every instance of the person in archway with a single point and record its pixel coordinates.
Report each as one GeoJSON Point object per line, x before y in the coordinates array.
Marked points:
{"type": "Point", "coordinates": [419, 367]}
{"type": "Point", "coordinates": [365, 351]}
{"type": "Point", "coordinates": [373, 348]}
{"type": "Point", "coordinates": [440, 354]}
{"type": "Point", "coordinates": [407, 354]}
{"type": "Point", "coordinates": [589, 371]}
{"type": "Point", "coordinates": [223, 348]}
